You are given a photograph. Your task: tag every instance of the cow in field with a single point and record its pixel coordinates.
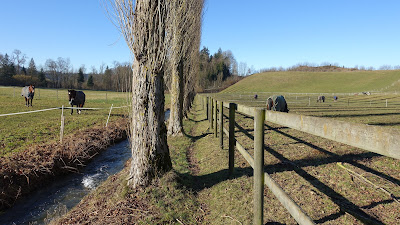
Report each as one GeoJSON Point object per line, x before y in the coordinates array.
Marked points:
{"type": "Point", "coordinates": [321, 98]}
{"type": "Point", "coordinates": [76, 98]}
{"type": "Point", "coordinates": [277, 103]}
{"type": "Point", "coordinates": [28, 92]}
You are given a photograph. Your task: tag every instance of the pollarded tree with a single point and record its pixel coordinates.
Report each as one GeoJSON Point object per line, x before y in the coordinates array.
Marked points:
{"type": "Point", "coordinates": [191, 68]}
{"type": "Point", "coordinates": [143, 25]}
{"type": "Point", "coordinates": [183, 29]}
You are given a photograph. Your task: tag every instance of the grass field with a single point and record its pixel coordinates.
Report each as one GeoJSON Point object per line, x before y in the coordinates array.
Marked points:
{"type": "Point", "coordinates": [318, 82]}
{"type": "Point", "coordinates": [17, 132]}
{"type": "Point", "coordinates": [305, 165]}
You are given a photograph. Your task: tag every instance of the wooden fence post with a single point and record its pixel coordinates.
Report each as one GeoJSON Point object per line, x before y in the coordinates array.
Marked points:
{"type": "Point", "coordinates": [258, 165]}
{"type": "Point", "coordinates": [215, 118]}
{"type": "Point", "coordinates": [221, 124]}
{"type": "Point", "coordinates": [211, 113]}
{"type": "Point", "coordinates": [109, 114]}
{"type": "Point", "coordinates": [202, 103]}
{"type": "Point", "coordinates": [206, 99]}
{"type": "Point", "coordinates": [62, 125]}
{"type": "Point", "coordinates": [232, 107]}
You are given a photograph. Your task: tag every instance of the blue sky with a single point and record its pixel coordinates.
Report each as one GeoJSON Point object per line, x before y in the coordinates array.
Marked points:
{"type": "Point", "coordinates": [263, 33]}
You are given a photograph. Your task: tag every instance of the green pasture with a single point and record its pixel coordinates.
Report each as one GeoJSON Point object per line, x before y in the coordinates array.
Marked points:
{"type": "Point", "coordinates": [301, 90]}
{"type": "Point", "coordinates": [371, 109]}
{"type": "Point", "coordinates": [18, 132]}
{"type": "Point", "coordinates": [319, 82]}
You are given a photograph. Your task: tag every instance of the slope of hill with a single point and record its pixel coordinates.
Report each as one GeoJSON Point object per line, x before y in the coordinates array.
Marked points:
{"type": "Point", "coordinates": [317, 82]}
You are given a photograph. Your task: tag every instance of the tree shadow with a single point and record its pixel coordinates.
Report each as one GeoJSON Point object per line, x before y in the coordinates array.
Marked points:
{"type": "Point", "coordinates": [348, 158]}
{"type": "Point", "coordinates": [384, 124]}
{"type": "Point", "coordinates": [337, 198]}
{"type": "Point", "coordinates": [197, 121]}
{"type": "Point", "coordinates": [195, 138]}
{"type": "Point", "coordinates": [359, 115]}
{"type": "Point", "coordinates": [197, 183]}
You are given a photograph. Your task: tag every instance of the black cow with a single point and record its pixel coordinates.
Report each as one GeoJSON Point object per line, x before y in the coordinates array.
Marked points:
{"type": "Point", "coordinates": [76, 98]}
{"type": "Point", "coordinates": [28, 92]}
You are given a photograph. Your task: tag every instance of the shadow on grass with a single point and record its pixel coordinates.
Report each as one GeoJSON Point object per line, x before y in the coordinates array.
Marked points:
{"type": "Point", "coordinates": [359, 115]}
{"type": "Point", "coordinates": [384, 124]}
{"type": "Point", "coordinates": [337, 198]}
{"type": "Point", "coordinates": [197, 121]}
{"type": "Point", "coordinates": [197, 183]}
{"type": "Point", "coordinates": [198, 137]}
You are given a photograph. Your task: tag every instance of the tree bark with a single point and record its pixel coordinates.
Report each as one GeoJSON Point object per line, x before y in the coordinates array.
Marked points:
{"type": "Point", "coordinates": [175, 126]}
{"type": "Point", "coordinates": [145, 31]}
{"type": "Point", "coordinates": [150, 152]}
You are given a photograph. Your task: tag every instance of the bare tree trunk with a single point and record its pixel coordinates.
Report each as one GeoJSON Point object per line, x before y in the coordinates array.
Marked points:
{"type": "Point", "coordinates": [150, 153]}
{"type": "Point", "coordinates": [143, 25]}
{"type": "Point", "coordinates": [175, 126]}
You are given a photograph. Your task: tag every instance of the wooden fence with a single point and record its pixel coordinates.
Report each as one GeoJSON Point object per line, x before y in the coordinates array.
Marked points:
{"type": "Point", "coordinates": [381, 140]}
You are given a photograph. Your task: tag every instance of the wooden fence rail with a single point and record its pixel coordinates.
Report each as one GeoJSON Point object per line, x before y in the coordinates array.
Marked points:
{"type": "Point", "coordinates": [381, 140]}
{"type": "Point", "coordinates": [257, 163]}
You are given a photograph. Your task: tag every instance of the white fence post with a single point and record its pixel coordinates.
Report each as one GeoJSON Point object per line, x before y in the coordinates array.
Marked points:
{"type": "Point", "coordinates": [386, 102]}
{"type": "Point", "coordinates": [109, 113]}
{"type": "Point", "coordinates": [62, 125]}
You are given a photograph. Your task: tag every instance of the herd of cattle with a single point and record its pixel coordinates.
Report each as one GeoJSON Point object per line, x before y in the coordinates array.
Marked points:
{"type": "Point", "coordinates": [74, 97]}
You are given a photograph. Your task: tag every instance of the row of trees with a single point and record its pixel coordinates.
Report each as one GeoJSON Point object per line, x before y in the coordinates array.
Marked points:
{"type": "Point", "coordinates": [210, 71]}
{"type": "Point", "coordinates": [61, 74]}
{"type": "Point", "coordinates": [326, 67]}
{"type": "Point", "coordinates": [164, 37]}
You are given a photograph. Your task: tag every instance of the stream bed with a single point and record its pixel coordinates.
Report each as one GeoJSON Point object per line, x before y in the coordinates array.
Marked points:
{"type": "Point", "coordinates": [65, 192]}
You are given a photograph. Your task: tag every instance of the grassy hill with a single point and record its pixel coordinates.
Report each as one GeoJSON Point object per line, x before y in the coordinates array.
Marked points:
{"type": "Point", "coordinates": [317, 82]}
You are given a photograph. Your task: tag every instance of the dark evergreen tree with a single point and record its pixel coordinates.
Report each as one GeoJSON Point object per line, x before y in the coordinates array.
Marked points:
{"type": "Point", "coordinates": [32, 68]}
{"type": "Point", "coordinates": [90, 82]}
{"type": "Point", "coordinates": [7, 70]}
{"type": "Point", "coordinates": [81, 77]}
{"type": "Point", "coordinates": [42, 78]}
{"type": "Point", "coordinates": [107, 82]}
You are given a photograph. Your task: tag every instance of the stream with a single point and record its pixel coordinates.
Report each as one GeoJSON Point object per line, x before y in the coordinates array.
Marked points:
{"type": "Point", "coordinates": [65, 192]}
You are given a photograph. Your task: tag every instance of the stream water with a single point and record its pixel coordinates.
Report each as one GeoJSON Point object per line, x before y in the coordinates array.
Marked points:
{"type": "Point", "coordinates": [65, 192]}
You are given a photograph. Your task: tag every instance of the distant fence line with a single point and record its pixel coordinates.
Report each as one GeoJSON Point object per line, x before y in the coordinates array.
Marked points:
{"type": "Point", "coordinates": [311, 100]}
{"type": "Point", "coordinates": [42, 110]}
{"type": "Point", "coordinates": [381, 140]}
{"type": "Point", "coordinates": [37, 90]}
{"type": "Point", "coordinates": [62, 115]}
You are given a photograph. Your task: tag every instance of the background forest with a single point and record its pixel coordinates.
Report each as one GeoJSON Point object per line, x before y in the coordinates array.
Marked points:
{"type": "Point", "coordinates": [216, 71]}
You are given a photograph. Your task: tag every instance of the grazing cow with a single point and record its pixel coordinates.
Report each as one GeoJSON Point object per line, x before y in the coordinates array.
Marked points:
{"type": "Point", "coordinates": [255, 96]}
{"type": "Point", "coordinates": [321, 98]}
{"type": "Point", "coordinates": [277, 103]}
{"type": "Point", "coordinates": [76, 98]}
{"type": "Point", "coordinates": [28, 92]}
